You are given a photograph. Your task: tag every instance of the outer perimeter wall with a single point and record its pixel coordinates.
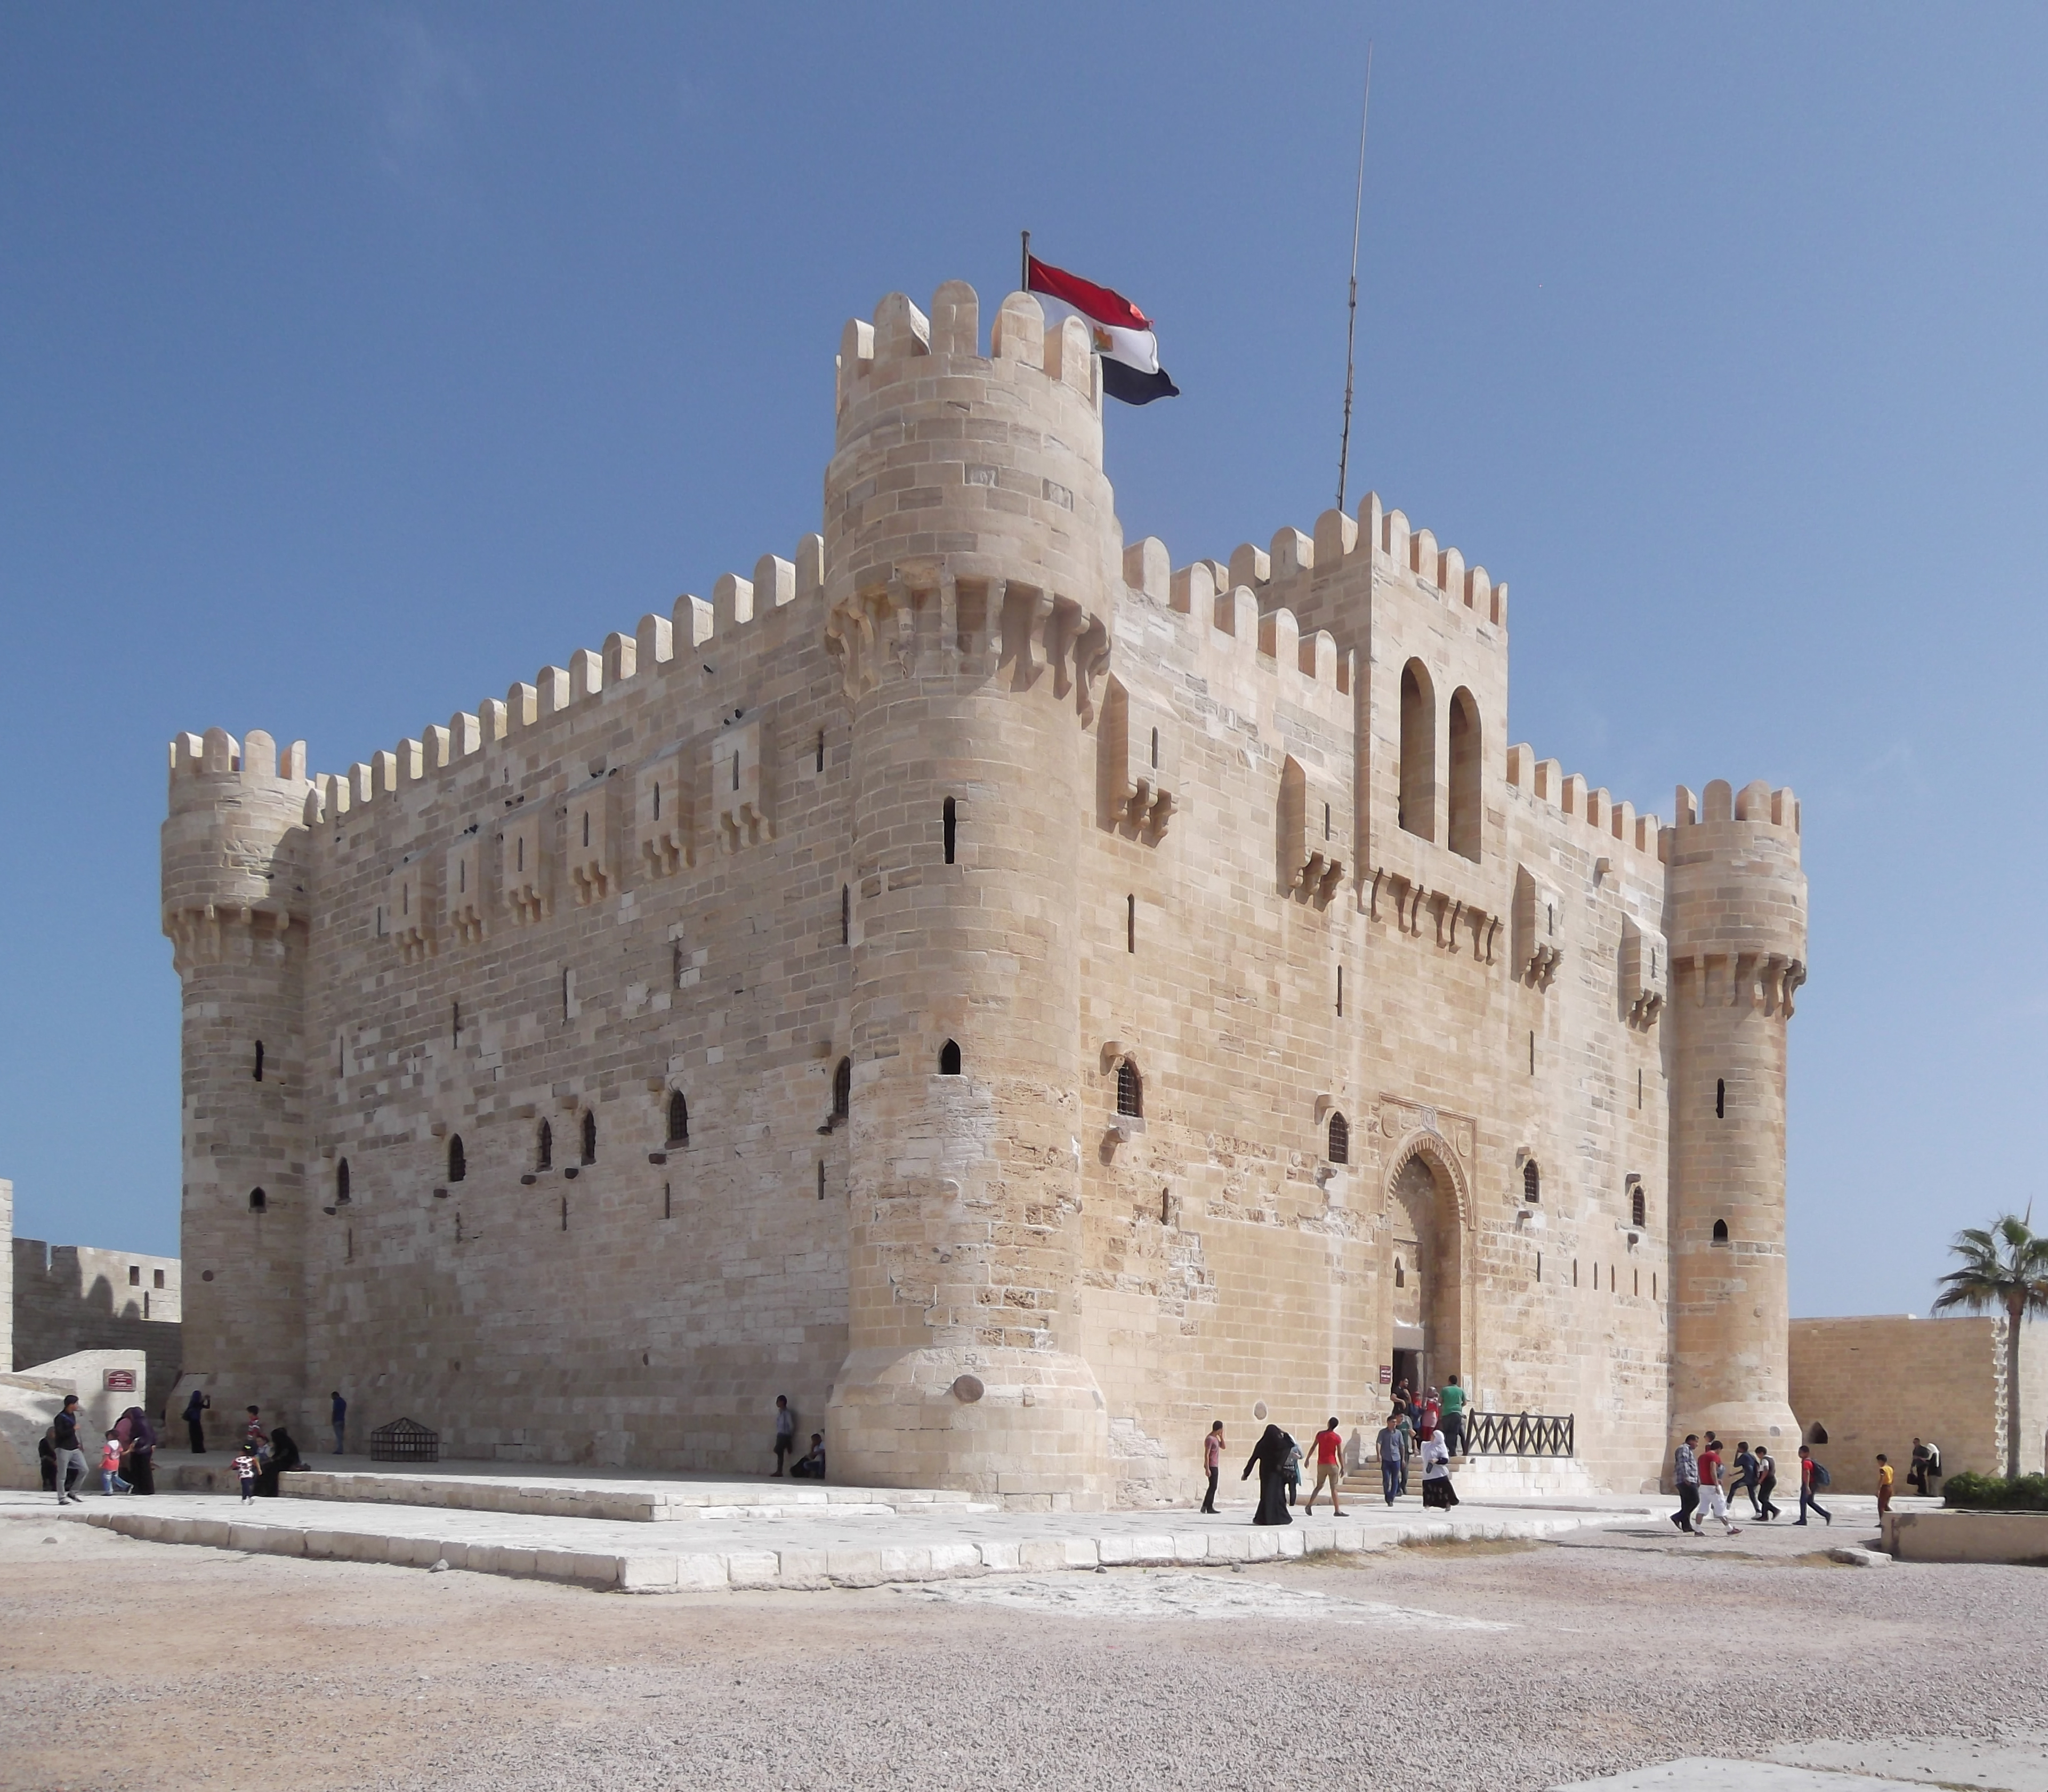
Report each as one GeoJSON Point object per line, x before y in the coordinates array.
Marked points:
{"type": "Point", "coordinates": [578, 976]}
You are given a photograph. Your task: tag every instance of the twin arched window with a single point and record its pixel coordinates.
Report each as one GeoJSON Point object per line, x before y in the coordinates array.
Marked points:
{"type": "Point", "coordinates": [1129, 1090]}
{"type": "Point", "coordinates": [458, 1160]}
{"type": "Point", "coordinates": [1418, 769]}
{"type": "Point", "coordinates": [1339, 1149]}
{"type": "Point", "coordinates": [679, 1119]}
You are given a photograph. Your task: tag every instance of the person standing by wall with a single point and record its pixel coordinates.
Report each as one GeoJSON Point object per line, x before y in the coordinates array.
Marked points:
{"type": "Point", "coordinates": [1884, 1480]}
{"type": "Point", "coordinates": [70, 1457]}
{"type": "Point", "coordinates": [196, 1421]}
{"type": "Point", "coordinates": [1810, 1479]}
{"type": "Point", "coordinates": [1452, 1401]}
{"type": "Point", "coordinates": [337, 1414]}
{"type": "Point", "coordinates": [1329, 1449]}
{"type": "Point", "coordinates": [1916, 1469]}
{"type": "Point", "coordinates": [1391, 1447]}
{"type": "Point", "coordinates": [1213, 1449]}
{"type": "Point", "coordinates": [786, 1434]}
{"type": "Point", "coordinates": [1686, 1477]}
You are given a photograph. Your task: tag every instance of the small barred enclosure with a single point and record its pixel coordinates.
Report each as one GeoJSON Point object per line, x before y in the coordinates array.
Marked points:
{"type": "Point", "coordinates": [404, 1439]}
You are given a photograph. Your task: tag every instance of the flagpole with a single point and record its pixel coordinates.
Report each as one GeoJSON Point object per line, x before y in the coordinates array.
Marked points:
{"type": "Point", "coordinates": [1351, 327]}
{"type": "Point", "coordinates": [1024, 266]}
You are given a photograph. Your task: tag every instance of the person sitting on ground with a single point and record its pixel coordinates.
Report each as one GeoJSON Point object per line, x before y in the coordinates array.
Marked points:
{"type": "Point", "coordinates": [811, 1465]}
{"type": "Point", "coordinates": [283, 1456]}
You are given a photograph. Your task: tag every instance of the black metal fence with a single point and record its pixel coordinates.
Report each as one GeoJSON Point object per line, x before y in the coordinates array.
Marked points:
{"type": "Point", "coordinates": [1518, 1434]}
{"type": "Point", "coordinates": [404, 1439]}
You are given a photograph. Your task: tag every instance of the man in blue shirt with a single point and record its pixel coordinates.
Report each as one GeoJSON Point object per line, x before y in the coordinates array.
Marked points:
{"type": "Point", "coordinates": [68, 1454]}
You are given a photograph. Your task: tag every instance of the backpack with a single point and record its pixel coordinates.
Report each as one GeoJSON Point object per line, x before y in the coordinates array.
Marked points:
{"type": "Point", "coordinates": [1821, 1477]}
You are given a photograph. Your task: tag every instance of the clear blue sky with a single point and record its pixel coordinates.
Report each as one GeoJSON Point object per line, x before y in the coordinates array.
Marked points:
{"type": "Point", "coordinates": [355, 362]}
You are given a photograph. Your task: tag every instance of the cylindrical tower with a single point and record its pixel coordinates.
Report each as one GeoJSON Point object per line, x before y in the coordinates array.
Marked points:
{"type": "Point", "coordinates": [1737, 923]}
{"type": "Point", "coordinates": [970, 545]}
{"type": "Point", "coordinates": [235, 910]}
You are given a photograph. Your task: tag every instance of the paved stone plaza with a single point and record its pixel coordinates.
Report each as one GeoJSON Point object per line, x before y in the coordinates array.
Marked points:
{"type": "Point", "coordinates": [1617, 1649]}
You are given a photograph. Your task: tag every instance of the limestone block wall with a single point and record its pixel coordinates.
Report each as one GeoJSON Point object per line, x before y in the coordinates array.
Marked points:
{"type": "Point", "coordinates": [69, 1297]}
{"type": "Point", "coordinates": [1877, 1382]}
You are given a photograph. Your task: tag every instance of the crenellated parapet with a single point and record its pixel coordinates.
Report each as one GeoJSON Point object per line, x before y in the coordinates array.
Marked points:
{"type": "Point", "coordinates": [233, 869]}
{"type": "Point", "coordinates": [1738, 897]}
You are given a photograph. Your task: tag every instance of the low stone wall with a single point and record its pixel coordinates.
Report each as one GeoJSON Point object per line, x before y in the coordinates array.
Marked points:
{"type": "Point", "coordinates": [31, 1398]}
{"type": "Point", "coordinates": [1990, 1537]}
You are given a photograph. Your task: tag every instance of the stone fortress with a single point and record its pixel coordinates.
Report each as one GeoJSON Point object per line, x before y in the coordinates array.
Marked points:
{"type": "Point", "coordinates": [1018, 998]}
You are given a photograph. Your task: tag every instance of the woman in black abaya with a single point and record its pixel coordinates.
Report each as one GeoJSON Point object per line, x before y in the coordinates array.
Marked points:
{"type": "Point", "coordinates": [1269, 1456]}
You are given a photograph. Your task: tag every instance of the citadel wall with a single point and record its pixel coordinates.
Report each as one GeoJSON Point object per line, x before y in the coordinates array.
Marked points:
{"type": "Point", "coordinates": [964, 771]}
{"type": "Point", "coordinates": [69, 1297]}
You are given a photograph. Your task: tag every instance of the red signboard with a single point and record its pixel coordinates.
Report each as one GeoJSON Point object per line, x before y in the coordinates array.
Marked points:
{"type": "Point", "coordinates": [120, 1381]}
{"type": "Point", "coordinates": [1386, 1373]}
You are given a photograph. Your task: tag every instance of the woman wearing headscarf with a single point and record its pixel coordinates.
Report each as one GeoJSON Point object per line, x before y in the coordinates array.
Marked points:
{"type": "Point", "coordinates": [1269, 1455]}
{"type": "Point", "coordinates": [1437, 1488]}
{"type": "Point", "coordinates": [138, 1438]}
{"type": "Point", "coordinates": [283, 1455]}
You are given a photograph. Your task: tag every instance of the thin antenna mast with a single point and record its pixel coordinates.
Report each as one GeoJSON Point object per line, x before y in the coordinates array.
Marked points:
{"type": "Point", "coordinates": [1351, 328]}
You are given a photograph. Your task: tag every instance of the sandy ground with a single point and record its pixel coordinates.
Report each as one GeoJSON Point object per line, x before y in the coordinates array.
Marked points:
{"type": "Point", "coordinates": [133, 1665]}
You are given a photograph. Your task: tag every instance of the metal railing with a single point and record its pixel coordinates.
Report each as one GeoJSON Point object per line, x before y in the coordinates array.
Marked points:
{"type": "Point", "coordinates": [1518, 1434]}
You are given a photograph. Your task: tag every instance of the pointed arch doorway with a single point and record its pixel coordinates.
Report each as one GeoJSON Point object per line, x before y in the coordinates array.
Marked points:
{"type": "Point", "coordinates": [1424, 1312]}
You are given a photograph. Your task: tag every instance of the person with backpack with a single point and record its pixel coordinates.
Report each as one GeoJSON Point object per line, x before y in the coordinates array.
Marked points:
{"type": "Point", "coordinates": [1813, 1476]}
{"type": "Point", "coordinates": [1767, 1484]}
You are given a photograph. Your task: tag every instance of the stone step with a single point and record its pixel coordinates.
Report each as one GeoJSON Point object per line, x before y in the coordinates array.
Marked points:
{"type": "Point", "coordinates": [623, 1498]}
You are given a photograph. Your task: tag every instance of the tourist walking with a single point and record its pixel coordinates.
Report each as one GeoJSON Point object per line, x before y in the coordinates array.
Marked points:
{"type": "Point", "coordinates": [1916, 1469]}
{"type": "Point", "coordinates": [1329, 1449]}
{"type": "Point", "coordinates": [1713, 1497]}
{"type": "Point", "coordinates": [70, 1457]}
{"type": "Point", "coordinates": [1812, 1476]}
{"type": "Point", "coordinates": [196, 1421]}
{"type": "Point", "coordinates": [1391, 1447]}
{"type": "Point", "coordinates": [1293, 1470]}
{"type": "Point", "coordinates": [138, 1450]}
{"type": "Point", "coordinates": [246, 1468]}
{"type": "Point", "coordinates": [1686, 1477]}
{"type": "Point", "coordinates": [1767, 1484]}
{"type": "Point", "coordinates": [1404, 1420]}
{"type": "Point", "coordinates": [1745, 1465]}
{"type": "Point", "coordinates": [786, 1434]}
{"type": "Point", "coordinates": [1453, 1401]}
{"type": "Point", "coordinates": [337, 1413]}
{"type": "Point", "coordinates": [1884, 1479]}
{"type": "Point", "coordinates": [110, 1482]}
{"type": "Point", "coordinates": [1213, 1449]}
{"type": "Point", "coordinates": [1437, 1488]}
{"type": "Point", "coordinates": [1269, 1457]}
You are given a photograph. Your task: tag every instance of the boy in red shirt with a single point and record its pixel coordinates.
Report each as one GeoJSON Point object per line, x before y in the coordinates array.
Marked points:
{"type": "Point", "coordinates": [1327, 1450]}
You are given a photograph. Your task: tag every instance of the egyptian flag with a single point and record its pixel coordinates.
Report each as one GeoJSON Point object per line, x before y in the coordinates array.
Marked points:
{"type": "Point", "coordinates": [1123, 333]}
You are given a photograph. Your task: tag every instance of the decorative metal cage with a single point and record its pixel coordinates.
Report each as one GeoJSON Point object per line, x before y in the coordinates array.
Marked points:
{"type": "Point", "coordinates": [1518, 1434]}
{"type": "Point", "coordinates": [404, 1439]}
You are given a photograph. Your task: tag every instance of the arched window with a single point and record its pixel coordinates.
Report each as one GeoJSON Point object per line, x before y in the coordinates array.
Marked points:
{"type": "Point", "coordinates": [1129, 1090]}
{"type": "Point", "coordinates": [1639, 1208]}
{"type": "Point", "coordinates": [1720, 1232]}
{"type": "Point", "coordinates": [590, 1136]}
{"type": "Point", "coordinates": [1532, 1181]}
{"type": "Point", "coordinates": [949, 1059]}
{"type": "Point", "coordinates": [1339, 1139]}
{"type": "Point", "coordinates": [952, 828]}
{"type": "Point", "coordinates": [1720, 1099]}
{"type": "Point", "coordinates": [258, 1201]}
{"type": "Point", "coordinates": [258, 1073]}
{"type": "Point", "coordinates": [679, 1119]}
{"type": "Point", "coordinates": [1465, 758]}
{"type": "Point", "coordinates": [544, 1147]}
{"type": "Point", "coordinates": [1418, 752]}
{"type": "Point", "coordinates": [843, 1089]}
{"type": "Point", "coordinates": [341, 1195]}
{"type": "Point", "coordinates": [458, 1159]}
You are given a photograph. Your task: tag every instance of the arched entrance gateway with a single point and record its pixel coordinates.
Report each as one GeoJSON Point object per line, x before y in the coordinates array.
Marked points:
{"type": "Point", "coordinates": [1423, 1268]}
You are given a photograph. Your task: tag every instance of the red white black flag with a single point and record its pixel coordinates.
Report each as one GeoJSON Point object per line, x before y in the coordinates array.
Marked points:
{"type": "Point", "coordinates": [1122, 333]}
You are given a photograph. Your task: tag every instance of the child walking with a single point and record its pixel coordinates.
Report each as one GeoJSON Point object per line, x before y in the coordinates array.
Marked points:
{"type": "Point", "coordinates": [247, 1467]}
{"type": "Point", "coordinates": [110, 1466]}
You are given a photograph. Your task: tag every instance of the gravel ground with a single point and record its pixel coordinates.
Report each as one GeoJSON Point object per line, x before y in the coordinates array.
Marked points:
{"type": "Point", "coordinates": [1494, 1668]}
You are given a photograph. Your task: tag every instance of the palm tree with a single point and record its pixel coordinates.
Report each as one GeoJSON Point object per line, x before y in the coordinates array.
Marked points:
{"type": "Point", "coordinates": [2004, 1270]}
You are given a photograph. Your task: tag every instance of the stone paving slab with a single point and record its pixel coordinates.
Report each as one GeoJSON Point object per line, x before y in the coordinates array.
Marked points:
{"type": "Point", "coordinates": [1701, 1774]}
{"type": "Point", "coordinates": [2017, 1762]}
{"type": "Point", "coordinates": [834, 1546]}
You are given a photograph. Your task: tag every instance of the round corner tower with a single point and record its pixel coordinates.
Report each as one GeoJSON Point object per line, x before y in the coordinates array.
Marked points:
{"type": "Point", "coordinates": [1737, 913]}
{"type": "Point", "coordinates": [970, 549]}
{"type": "Point", "coordinates": [235, 910]}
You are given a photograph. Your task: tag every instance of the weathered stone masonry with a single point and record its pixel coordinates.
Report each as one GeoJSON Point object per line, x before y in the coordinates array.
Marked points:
{"type": "Point", "coordinates": [818, 930]}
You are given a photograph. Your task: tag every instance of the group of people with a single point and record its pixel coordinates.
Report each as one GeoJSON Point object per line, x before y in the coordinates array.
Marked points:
{"type": "Point", "coordinates": [809, 1466]}
{"type": "Point", "coordinates": [126, 1454]}
{"type": "Point", "coordinates": [1701, 1474]}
